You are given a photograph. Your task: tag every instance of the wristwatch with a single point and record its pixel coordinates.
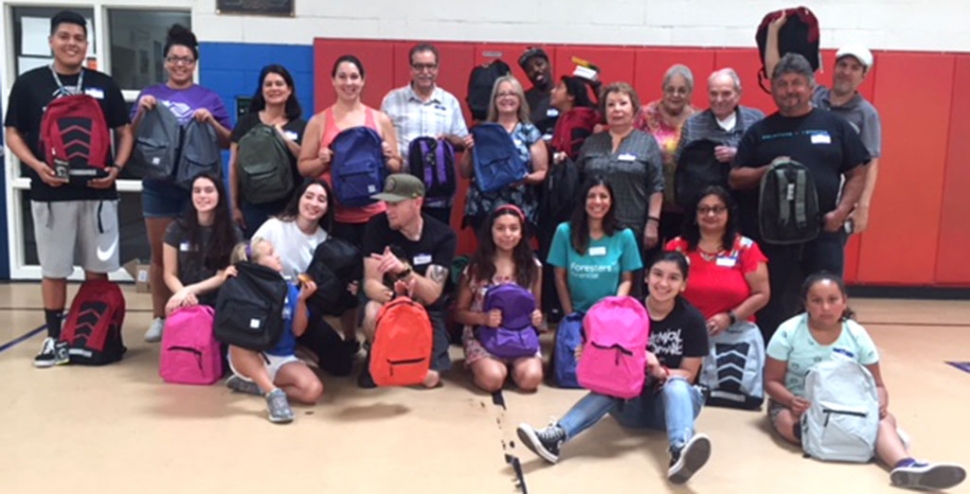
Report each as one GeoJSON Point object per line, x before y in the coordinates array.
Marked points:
{"type": "Point", "coordinates": [407, 272]}
{"type": "Point", "coordinates": [732, 317]}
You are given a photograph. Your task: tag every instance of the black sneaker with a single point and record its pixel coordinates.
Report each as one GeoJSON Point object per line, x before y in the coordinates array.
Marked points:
{"type": "Point", "coordinates": [545, 442]}
{"type": "Point", "coordinates": [689, 459]}
{"type": "Point", "coordinates": [52, 352]}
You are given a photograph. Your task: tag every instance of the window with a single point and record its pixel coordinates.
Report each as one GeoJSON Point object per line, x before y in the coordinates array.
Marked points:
{"type": "Point", "coordinates": [137, 38]}
{"type": "Point", "coordinates": [32, 27]}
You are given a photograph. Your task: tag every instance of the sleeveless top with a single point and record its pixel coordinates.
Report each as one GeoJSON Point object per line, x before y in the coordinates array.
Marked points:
{"type": "Point", "coordinates": [344, 214]}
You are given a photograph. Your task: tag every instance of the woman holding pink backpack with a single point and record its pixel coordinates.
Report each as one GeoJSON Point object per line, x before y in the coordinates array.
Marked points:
{"type": "Point", "coordinates": [503, 258]}
{"type": "Point", "coordinates": [678, 343]}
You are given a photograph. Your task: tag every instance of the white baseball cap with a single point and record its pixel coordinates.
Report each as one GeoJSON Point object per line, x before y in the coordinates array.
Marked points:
{"type": "Point", "coordinates": [861, 53]}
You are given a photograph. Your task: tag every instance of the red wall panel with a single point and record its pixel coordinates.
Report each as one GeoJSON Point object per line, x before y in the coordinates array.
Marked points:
{"type": "Point", "coordinates": [615, 63]}
{"type": "Point", "coordinates": [952, 266]}
{"type": "Point", "coordinates": [904, 218]}
{"type": "Point", "coordinates": [652, 63]}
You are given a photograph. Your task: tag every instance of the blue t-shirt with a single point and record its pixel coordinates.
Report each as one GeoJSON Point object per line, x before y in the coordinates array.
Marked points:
{"type": "Point", "coordinates": [793, 343]}
{"type": "Point", "coordinates": [596, 274]}
{"type": "Point", "coordinates": [287, 344]}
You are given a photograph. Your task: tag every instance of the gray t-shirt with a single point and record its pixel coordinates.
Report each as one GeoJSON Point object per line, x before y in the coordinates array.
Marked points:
{"type": "Point", "coordinates": [860, 113]}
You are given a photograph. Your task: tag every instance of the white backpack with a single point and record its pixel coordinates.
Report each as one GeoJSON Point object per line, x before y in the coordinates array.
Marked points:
{"type": "Point", "coordinates": [733, 368]}
{"type": "Point", "coordinates": [842, 421]}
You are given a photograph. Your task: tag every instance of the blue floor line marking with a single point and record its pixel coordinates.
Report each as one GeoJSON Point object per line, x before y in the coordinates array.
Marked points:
{"type": "Point", "coordinates": [12, 343]}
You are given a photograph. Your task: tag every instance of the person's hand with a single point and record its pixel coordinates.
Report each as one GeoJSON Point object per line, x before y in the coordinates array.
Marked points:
{"type": "Point", "coordinates": [654, 368]}
{"type": "Point", "coordinates": [306, 290]}
{"type": "Point", "coordinates": [106, 181]}
{"type": "Point", "coordinates": [834, 220]}
{"type": "Point", "coordinates": [181, 298]}
{"type": "Point", "coordinates": [860, 219]}
{"type": "Point", "coordinates": [883, 410]}
{"type": "Point", "coordinates": [147, 102]}
{"type": "Point", "coordinates": [558, 157]}
{"type": "Point", "coordinates": [325, 154]}
{"type": "Point", "coordinates": [386, 150]}
{"type": "Point", "coordinates": [49, 176]}
{"type": "Point", "coordinates": [578, 352]}
{"type": "Point", "coordinates": [238, 217]}
{"type": "Point", "coordinates": [203, 115]}
{"type": "Point", "coordinates": [468, 141]}
{"type": "Point", "coordinates": [389, 263]}
{"type": "Point", "coordinates": [493, 318]}
{"type": "Point", "coordinates": [650, 234]}
{"type": "Point", "coordinates": [799, 406]}
{"type": "Point", "coordinates": [725, 154]}
{"type": "Point", "coordinates": [776, 24]}
{"type": "Point", "coordinates": [718, 323]}
{"type": "Point", "coordinates": [353, 287]}
{"type": "Point", "coordinates": [405, 287]}
{"type": "Point", "coordinates": [229, 272]}
{"type": "Point", "coordinates": [537, 318]}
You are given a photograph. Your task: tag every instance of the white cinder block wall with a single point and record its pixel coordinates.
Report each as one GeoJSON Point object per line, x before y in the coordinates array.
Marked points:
{"type": "Point", "coordinates": [920, 25]}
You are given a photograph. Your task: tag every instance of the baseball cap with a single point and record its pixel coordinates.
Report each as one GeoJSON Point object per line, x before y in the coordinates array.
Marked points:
{"type": "Point", "coordinates": [861, 53]}
{"type": "Point", "coordinates": [531, 53]}
{"type": "Point", "coordinates": [401, 187]}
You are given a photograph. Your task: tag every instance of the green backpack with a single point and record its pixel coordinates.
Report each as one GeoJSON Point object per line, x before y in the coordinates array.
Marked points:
{"type": "Point", "coordinates": [264, 170]}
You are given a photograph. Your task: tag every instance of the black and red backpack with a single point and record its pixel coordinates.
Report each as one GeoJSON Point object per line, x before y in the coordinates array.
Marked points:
{"type": "Point", "coordinates": [74, 133]}
{"type": "Point", "coordinates": [800, 34]}
{"type": "Point", "coordinates": [92, 330]}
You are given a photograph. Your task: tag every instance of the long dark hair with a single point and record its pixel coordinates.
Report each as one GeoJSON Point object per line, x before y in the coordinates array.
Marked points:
{"type": "Point", "coordinates": [482, 264]}
{"type": "Point", "coordinates": [216, 255]}
{"type": "Point", "coordinates": [579, 223]}
{"type": "Point", "coordinates": [827, 276]}
{"type": "Point", "coordinates": [578, 88]}
{"type": "Point", "coordinates": [691, 230]}
{"type": "Point", "coordinates": [292, 209]}
{"type": "Point", "coordinates": [258, 103]}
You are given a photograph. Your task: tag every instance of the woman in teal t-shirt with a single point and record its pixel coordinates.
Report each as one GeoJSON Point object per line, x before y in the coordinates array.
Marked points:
{"type": "Point", "coordinates": [592, 256]}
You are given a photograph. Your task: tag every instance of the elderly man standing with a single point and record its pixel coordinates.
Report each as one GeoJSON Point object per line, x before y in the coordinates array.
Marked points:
{"type": "Point", "coordinates": [725, 121]}
{"type": "Point", "coordinates": [831, 150]}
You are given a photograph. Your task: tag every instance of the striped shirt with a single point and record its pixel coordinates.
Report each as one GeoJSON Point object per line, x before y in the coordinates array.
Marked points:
{"type": "Point", "coordinates": [634, 170]}
{"type": "Point", "coordinates": [413, 118]}
{"type": "Point", "coordinates": [704, 125]}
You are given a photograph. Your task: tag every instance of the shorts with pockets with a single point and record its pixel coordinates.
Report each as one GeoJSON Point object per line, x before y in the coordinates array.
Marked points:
{"type": "Point", "coordinates": [163, 199]}
{"type": "Point", "coordinates": [84, 233]}
{"type": "Point", "coordinates": [273, 364]}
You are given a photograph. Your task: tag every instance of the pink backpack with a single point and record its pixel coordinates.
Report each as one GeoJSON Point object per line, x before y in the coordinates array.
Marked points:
{"type": "Point", "coordinates": [614, 356]}
{"type": "Point", "coordinates": [190, 353]}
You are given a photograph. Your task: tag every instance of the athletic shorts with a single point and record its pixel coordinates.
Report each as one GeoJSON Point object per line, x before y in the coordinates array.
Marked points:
{"type": "Point", "coordinates": [273, 364]}
{"type": "Point", "coordinates": [69, 233]}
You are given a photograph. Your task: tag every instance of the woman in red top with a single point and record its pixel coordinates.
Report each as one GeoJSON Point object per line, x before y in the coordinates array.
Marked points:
{"type": "Point", "coordinates": [348, 111]}
{"type": "Point", "coordinates": [728, 272]}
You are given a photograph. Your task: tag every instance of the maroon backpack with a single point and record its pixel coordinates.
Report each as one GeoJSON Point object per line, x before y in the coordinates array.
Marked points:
{"type": "Point", "coordinates": [92, 330]}
{"type": "Point", "coordinates": [74, 134]}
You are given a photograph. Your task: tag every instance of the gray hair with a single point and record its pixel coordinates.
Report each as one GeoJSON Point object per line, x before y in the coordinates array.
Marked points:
{"type": "Point", "coordinates": [728, 71]}
{"type": "Point", "coordinates": [793, 63]}
{"type": "Point", "coordinates": [681, 70]}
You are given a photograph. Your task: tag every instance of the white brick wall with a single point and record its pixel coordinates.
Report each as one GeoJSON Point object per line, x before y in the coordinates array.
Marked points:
{"type": "Point", "coordinates": [927, 25]}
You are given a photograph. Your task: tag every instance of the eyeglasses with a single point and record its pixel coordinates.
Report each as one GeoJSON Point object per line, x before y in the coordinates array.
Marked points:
{"type": "Point", "coordinates": [706, 210]}
{"type": "Point", "coordinates": [504, 94]}
{"type": "Point", "coordinates": [682, 91]}
{"type": "Point", "coordinates": [424, 66]}
{"type": "Point", "coordinates": [180, 60]}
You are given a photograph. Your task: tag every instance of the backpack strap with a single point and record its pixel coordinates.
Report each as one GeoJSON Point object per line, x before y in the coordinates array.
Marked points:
{"type": "Point", "coordinates": [784, 212]}
{"type": "Point", "coordinates": [428, 171]}
{"type": "Point", "coordinates": [441, 161]}
{"type": "Point", "coordinates": [63, 91]}
{"type": "Point", "coordinates": [801, 183]}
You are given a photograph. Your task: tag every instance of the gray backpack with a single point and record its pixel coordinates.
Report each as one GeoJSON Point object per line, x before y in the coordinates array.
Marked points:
{"type": "Point", "coordinates": [733, 367]}
{"type": "Point", "coordinates": [156, 144]}
{"type": "Point", "coordinates": [842, 422]}
{"type": "Point", "coordinates": [200, 153]}
{"type": "Point", "coordinates": [263, 165]}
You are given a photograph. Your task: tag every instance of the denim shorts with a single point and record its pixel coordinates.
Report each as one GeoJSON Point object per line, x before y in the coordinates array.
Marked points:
{"type": "Point", "coordinates": [163, 199]}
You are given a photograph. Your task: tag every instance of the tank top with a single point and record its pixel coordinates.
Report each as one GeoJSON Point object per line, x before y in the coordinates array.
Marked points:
{"type": "Point", "coordinates": [344, 214]}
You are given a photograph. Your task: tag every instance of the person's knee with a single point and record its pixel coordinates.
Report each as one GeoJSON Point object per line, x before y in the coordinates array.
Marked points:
{"type": "Point", "coordinates": [312, 390]}
{"type": "Point", "coordinates": [529, 378]}
{"type": "Point", "coordinates": [676, 388]}
{"type": "Point", "coordinates": [370, 318]}
{"type": "Point", "coordinates": [490, 378]}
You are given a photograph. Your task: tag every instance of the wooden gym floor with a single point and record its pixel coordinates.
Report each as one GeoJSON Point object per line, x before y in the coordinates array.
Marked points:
{"type": "Point", "coordinates": [119, 429]}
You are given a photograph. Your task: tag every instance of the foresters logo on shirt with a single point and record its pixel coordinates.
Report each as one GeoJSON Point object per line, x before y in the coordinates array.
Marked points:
{"type": "Point", "coordinates": [667, 342]}
{"type": "Point", "coordinates": [590, 271]}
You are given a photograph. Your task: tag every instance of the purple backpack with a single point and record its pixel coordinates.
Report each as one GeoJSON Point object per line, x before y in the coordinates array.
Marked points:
{"type": "Point", "coordinates": [433, 161]}
{"type": "Point", "coordinates": [516, 337]}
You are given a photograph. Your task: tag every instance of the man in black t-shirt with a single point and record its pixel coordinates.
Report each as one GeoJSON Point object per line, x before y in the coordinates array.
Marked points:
{"type": "Point", "coordinates": [75, 220]}
{"type": "Point", "coordinates": [426, 247]}
{"type": "Point", "coordinates": [832, 150]}
{"type": "Point", "coordinates": [535, 63]}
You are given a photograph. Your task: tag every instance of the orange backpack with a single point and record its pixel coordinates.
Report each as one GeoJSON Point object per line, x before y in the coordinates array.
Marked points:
{"type": "Point", "coordinates": [401, 353]}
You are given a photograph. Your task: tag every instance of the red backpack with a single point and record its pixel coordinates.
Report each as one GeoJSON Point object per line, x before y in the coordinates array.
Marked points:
{"type": "Point", "coordinates": [92, 330]}
{"type": "Point", "coordinates": [572, 129]}
{"type": "Point", "coordinates": [74, 134]}
{"type": "Point", "coordinates": [401, 353]}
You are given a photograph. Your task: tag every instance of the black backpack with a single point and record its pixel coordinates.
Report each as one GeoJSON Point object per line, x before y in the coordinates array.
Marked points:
{"type": "Point", "coordinates": [200, 153]}
{"type": "Point", "coordinates": [336, 263]}
{"type": "Point", "coordinates": [697, 169]}
{"type": "Point", "coordinates": [480, 83]}
{"type": "Point", "coordinates": [559, 196]}
{"type": "Point", "coordinates": [249, 308]}
{"type": "Point", "coordinates": [788, 209]}
{"type": "Point", "coordinates": [157, 144]}
{"type": "Point", "coordinates": [433, 162]}
{"type": "Point", "coordinates": [800, 34]}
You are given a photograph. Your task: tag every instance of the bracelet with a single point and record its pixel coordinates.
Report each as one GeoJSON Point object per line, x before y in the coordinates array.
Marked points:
{"type": "Point", "coordinates": [653, 218]}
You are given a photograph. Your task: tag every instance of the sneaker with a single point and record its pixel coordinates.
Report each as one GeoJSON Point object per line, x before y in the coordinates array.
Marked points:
{"type": "Point", "coordinates": [911, 474]}
{"type": "Point", "coordinates": [689, 459]}
{"type": "Point", "coordinates": [241, 385]}
{"type": "Point", "coordinates": [154, 333]}
{"type": "Point", "coordinates": [52, 352]}
{"type": "Point", "coordinates": [545, 442]}
{"type": "Point", "coordinates": [365, 380]}
{"type": "Point", "coordinates": [279, 408]}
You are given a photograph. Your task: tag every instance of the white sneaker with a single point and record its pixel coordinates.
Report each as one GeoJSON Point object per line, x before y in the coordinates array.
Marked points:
{"type": "Point", "coordinates": [154, 333]}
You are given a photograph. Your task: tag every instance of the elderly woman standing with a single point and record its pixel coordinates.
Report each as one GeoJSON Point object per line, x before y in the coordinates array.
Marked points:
{"type": "Point", "coordinates": [664, 119]}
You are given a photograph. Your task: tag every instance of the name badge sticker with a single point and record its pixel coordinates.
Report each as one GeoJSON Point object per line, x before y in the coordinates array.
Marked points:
{"type": "Point", "coordinates": [552, 112]}
{"type": "Point", "coordinates": [597, 251]}
{"type": "Point", "coordinates": [94, 92]}
{"type": "Point", "coordinates": [626, 157]}
{"type": "Point", "coordinates": [821, 138]}
{"type": "Point", "coordinates": [726, 262]}
{"type": "Point", "coordinates": [290, 135]}
{"type": "Point", "coordinates": [184, 246]}
{"type": "Point", "coordinates": [422, 259]}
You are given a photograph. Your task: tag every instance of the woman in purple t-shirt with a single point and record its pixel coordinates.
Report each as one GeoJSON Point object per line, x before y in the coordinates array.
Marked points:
{"type": "Point", "coordinates": [162, 199]}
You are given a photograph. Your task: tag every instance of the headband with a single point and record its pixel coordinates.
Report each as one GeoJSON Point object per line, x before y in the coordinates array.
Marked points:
{"type": "Point", "coordinates": [512, 207]}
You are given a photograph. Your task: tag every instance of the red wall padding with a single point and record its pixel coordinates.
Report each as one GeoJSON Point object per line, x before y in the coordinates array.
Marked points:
{"type": "Point", "coordinates": [918, 229]}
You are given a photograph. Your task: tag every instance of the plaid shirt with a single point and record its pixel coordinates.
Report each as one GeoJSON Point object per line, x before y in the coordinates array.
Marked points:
{"type": "Point", "coordinates": [704, 125]}
{"type": "Point", "coordinates": [413, 118]}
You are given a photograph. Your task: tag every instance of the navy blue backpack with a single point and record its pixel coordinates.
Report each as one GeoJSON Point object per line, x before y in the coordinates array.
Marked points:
{"type": "Point", "coordinates": [358, 166]}
{"type": "Point", "coordinates": [516, 337]}
{"type": "Point", "coordinates": [569, 335]}
{"type": "Point", "coordinates": [497, 161]}
{"type": "Point", "coordinates": [433, 161]}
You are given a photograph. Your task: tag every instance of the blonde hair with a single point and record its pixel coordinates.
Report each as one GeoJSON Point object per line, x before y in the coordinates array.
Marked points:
{"type": "Point", "coordinates": [243, 251]}
{"type": "Point", "coordinates": [519, 92]}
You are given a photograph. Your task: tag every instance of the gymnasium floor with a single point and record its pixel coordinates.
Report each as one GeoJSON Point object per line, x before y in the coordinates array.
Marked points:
{"type": "Point", "coordinates": [119, 429]}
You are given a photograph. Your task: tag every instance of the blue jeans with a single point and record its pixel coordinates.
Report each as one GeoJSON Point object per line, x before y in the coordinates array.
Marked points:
{"type": "Point", "coordinates": [674, 407]}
